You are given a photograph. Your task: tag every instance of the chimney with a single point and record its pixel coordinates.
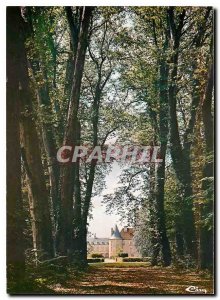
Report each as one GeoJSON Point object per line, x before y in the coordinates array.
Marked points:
{"type": "Point", "coordinates": [112, 231]}
{"type": "Point", "coordinates": [125, 228]}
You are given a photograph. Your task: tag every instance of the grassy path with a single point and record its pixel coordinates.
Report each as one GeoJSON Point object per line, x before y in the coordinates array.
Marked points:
{"type": "Point", "coordinates": [133, 278]}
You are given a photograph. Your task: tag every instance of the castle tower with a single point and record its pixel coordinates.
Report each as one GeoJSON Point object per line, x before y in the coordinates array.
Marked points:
{"type": "Point", "coordinates": [115, 242]}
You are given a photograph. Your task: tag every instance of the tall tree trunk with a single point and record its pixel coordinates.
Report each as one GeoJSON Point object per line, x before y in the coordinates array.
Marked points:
{"type": "Point", "coordinates": [47, 130]}
{"type": "Point", "coordinates": [77, 214]}
{"type": "Point", "coordinates": [207, 235]}
{"type": "Point", "coordinates": [65, 237]}
{"type": "Point", "coordinates": [15, 220]}
{"type": "Point", "coordinates": [179, 238]}
{"type": "Point", "coordinates": [160, 239]}
{"type": "Point", "coordinates": [32, 158]}
{"type": "Point", "coordinates": [181, 161]}
{"type": "Point", "coordinates": [86, 206]}
{"type": "Point", "coordinates": [48, 138]}
{"type": "Point", "coordinates": [154, 236]}
{"type": "Point", "coordinates": [181, 155]}
{"type": "Point", "coordinates": [74, 21]}
{"type": "Point", "coordinates": [160, 172]}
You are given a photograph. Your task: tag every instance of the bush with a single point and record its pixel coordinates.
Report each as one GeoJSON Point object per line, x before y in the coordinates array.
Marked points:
{"type": "Point", "coordinates": [95, 260]}
{"type": "Point", "coordinates": [122, 254]}
{"type": "Point", "coordinates": [96, 255]}
{"type": "Point", "coordinates": [132, 259]}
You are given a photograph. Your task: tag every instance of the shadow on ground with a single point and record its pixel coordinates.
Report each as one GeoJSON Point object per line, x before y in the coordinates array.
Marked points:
{"type": "Point", "coordinates": [134, 279]}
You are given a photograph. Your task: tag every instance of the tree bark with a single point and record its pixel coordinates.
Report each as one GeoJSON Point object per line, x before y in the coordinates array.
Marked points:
{"type": "Point", "coordinates": [65, 237]}
{"type": "Point", "coordinates": [32, 156]}
{"type": "Point", "coordinates": [48, 138]}
{"type": "Point", "coordinates": [74, 21]}
{"type": "Point", "coordinates": [207, 234]}
{"type": "Point", "coordinates": [160, 240]}
{"type": "Point", "coordinates": [15, 217]}
{"type": "Point", "coordinates": [160, 172]}
{"type": "Point", "coordinates": [181, 161]}
{"type": "Point", "coordinates": [181, 154]}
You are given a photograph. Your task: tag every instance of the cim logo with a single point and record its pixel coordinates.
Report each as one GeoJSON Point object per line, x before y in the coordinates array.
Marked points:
{"type": "Point", "coordinates": [196, 290]}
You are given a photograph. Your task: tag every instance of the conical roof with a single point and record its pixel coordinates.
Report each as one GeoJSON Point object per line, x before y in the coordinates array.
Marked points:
{"type": "Point", "coordinates": [115, 234]}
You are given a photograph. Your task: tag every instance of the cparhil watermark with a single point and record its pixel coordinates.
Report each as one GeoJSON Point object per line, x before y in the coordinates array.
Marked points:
{"type": "Point", "coordinates": [106, 154]}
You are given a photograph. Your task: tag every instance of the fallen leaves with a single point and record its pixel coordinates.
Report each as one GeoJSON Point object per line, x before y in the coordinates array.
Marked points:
{"type": "Point", "coordinates": [138, 279]}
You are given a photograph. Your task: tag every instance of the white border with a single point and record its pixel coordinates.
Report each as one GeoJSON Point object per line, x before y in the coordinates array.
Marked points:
{"type": "Point", "coordinates": [111, 3]}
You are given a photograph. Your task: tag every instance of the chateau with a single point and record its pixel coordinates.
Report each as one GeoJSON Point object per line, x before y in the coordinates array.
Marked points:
{"type": "Point", "coordinates": [120, 241]}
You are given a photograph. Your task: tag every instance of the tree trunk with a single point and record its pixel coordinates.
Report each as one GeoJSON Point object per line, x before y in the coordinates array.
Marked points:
{"type": "Point", "coordinates": [15, 218]}
{"type": "Point", "coordinates": [181, 161]}
{"type": "Point", "coordinates": [47, 129]}
{"type": "Point", "coordinates": [77, 214]}
{"type": "Point", "coordinates": [86, 205]}
{"type": "Point", "coordinates": [32, 158]}
{"type": "Point", "coordinates": [74, 26]}
{"type": "Point", "coordinates": [65, 236]}
{"type": "Point", "coordinates": [160, 172]}
{"type": "Point", "coordinates": [207, 235]}
{"type": "Point", "coordinates": [181, 155]}
{"type": "Point", "coordinates": [154, 236]}
{"type": "Point", "coordinates": [43, 98]}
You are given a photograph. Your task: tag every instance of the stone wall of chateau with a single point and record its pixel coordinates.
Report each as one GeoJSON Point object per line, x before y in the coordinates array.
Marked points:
{"type": "Point", "coordinates": [115, 246]}
{"type": "Point", "coordinates": [100, 249]}
{"type": "Point", "coordinates": [98, 245]}
{"type": "Point", "coordinates": [129, 247]}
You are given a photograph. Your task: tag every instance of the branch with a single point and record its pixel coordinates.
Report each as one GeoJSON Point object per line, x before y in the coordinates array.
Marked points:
{"type": "Point", "coordinates": [55, 259]}
{"type": "Point", "coordinates": [72, 27]}
{"type": "Point", "coordinates": [90, 85]}
{"type": "Point", "coordinates": [171, 20]}
{"type": "Point", "coordinates": [131, 178]}
{"type": "Point", "coordinates": [107, 134]}
{"type": "Point", "coordinates": [96, 27]}
{"type": "Point", "coordinates": [106, 80]}
{"type": "Point", "coordinates": [182, 112]}
{"type": "Point", "coordinates": [103, 39]}
{"type": "Point", "coordinates": [93, 58]}
{"type": "Point", "coordinates": [154, 33]}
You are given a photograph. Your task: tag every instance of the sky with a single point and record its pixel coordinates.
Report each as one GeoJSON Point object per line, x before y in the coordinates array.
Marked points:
{"type": "Point", "coordinates": [102, 222]}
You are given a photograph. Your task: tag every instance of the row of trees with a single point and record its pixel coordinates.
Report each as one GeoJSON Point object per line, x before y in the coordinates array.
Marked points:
{"type": "Point", "coordinates": [171, 76]}
{"type": "Point", "coordinates": [81, 75]}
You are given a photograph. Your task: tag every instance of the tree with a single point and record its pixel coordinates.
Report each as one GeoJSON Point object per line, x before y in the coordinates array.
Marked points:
{"type": "Point", "coordinates": [181, 153]}
{"type": "Point", "coordinates": [70, 137]}
{"type": "Point", "coordinates": [31, 155]}
{"type": "Point", "coordinates": [207, 248]}
{"type": "Point", "coordinates": [15, 220]}
{"type": "Point", "coordinates": [42, 51]}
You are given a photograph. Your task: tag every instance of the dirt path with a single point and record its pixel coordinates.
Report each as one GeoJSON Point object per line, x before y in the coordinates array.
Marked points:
{"type": "Point", "coordinates": [134, 279]}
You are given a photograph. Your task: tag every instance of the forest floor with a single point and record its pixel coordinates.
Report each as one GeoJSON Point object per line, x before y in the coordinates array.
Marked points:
{"type": "Point", "coordinates": [132, 278]}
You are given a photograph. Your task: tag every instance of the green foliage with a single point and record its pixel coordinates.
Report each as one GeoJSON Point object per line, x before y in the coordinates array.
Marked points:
{"type": "Point", "coordinates": [96, 255]}
{"type": "Point", "coordinates": [133, 259]}
{"type": "Point", "coordinates": [122, 254]}
{"type": "Point", "coordinates": [95, 260]}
